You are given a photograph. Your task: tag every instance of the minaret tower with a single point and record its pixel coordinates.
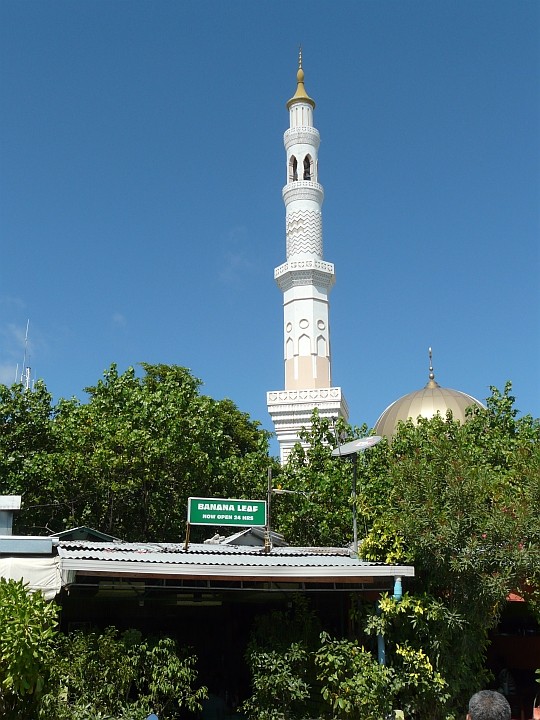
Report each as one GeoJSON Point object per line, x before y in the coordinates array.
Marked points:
{"type": "Point", "coordinates": [305, 280]}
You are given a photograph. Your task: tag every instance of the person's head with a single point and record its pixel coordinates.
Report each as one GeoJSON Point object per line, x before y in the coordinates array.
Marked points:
{"type": "Point", "coordinates": [488, 705]}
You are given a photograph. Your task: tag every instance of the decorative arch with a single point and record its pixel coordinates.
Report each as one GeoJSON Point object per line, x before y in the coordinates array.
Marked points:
{"type": "Point", "coordinates": [293, 169]}
{"type": "Point", "coordinates": [304, 345]}
{"type": "Point", "coordinates": [289, 349]}
{"type": "Point", "coordinates": [308, 168]}
{"type": "Point", "coordinates": [321, 346]}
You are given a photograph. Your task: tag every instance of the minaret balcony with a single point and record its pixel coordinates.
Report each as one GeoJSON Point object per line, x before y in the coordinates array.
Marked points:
{"type": "Point", "coordinates": [302, 136]}
{"type": "Point", "coordinates": [303, 190]}
{"type": "Point", "coordinates": [318, 273]}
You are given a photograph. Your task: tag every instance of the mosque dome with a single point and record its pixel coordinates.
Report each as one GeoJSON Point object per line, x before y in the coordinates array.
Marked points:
{"type": "Point", "coordinates": [426, 402]}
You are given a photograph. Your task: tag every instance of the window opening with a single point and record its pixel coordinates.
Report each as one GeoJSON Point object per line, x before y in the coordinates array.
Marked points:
{"type": "Point", "coordinates": [293, 169]}
{"type": "Point", "coordinates": [308, 168]}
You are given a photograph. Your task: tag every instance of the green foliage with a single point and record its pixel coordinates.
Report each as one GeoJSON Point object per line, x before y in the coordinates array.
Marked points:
{"type": "Point", "coordinates": [278, 684]}
{"type": "Point", "coordinates": [319, 513]}
{"type": "Point", "coordinates": [419, 689]}
{"type": "Point", "coordinates": [353, 683]}
{"type": "Point", "coordinates": [88, 712]}
{"type": "Point", "coordinates": [280, 657]}
{"type": "Point", "coordinates": [126, 461]}
{"type": "Point", "coordinates": [92, 670]}
{"type": "Point", "coordinates": [460, 503]}
{"type": "Point", "coordinates": [26, 435]}
{"type": "Point", "coordinates": [102, 675]}
{"type": "Point", "coordinates": [461, 506]}
{"type": "Point", "coordinates": [166, 679]}
{"type": "Point", "coordinates": [27, 635]}
{"type": "Point", "coordinates": [299, 672]}
{"type": "Point", "coordinates": [276, 629]}
{"type": "Point", "coordinates": [348, 682]}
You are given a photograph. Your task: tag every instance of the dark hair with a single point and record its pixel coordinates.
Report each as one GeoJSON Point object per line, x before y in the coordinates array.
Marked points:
{"type": "Point", "coordinates": [489, 705]}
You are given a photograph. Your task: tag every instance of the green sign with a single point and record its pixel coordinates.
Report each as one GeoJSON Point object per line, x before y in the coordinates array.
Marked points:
{"type": "Point", "coordinates": [218, 511]}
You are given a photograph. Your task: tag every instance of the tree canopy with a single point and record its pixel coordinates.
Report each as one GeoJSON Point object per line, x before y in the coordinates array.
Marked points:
{"type": "Point", "coordinates": [125, 461]}
{"type": "Point", "coordinates": [459, 502]}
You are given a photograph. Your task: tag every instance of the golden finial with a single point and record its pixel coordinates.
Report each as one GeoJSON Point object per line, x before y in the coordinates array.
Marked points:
{"type": "Point", "coordinates": [300, 95]}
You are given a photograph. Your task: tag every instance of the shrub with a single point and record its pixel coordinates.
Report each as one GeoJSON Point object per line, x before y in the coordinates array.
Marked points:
{"type": "Point", "coordinates": [27, 636]}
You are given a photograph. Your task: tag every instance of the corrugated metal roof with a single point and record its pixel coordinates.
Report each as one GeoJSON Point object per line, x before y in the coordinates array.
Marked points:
{"type": "Point", "coordinates": [219, 560]}
{"type": "Point", "coordinates": [169, 552]}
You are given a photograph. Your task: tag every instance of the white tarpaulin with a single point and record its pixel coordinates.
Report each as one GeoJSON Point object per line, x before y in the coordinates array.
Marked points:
{"type": "Point", "coordinates": [38, 573]}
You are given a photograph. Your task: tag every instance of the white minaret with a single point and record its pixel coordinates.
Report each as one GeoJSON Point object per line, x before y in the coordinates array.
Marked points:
{"type": "Point", "coordinates": [305, 280]}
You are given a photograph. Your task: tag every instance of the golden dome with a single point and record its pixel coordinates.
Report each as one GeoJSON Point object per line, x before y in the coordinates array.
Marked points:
{"type": "Point", "coordinates": [427, 402]}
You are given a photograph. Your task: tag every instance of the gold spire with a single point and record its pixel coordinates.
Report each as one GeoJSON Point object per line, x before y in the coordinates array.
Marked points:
{"type": "Point", "coordinates": [300, 95]}
{"type": "Point", "coordinates": [431, 382]}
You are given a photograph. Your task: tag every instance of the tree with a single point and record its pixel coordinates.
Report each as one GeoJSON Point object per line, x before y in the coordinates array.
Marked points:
{"type": "Point", "coordinates": [93, 676]}
{"type": "Point", "coordinates": [352, 682]}
{"type": "Point", "coordinates": [126, 461]}
{"type": "Point", "coordinates": [319, 510]}
{"type": "Point", "coordinates": [300, 672]}
{"type": "Point", "coordinates": [460, 503]}
{"type": "Point", "coordinates": [26, 432]}
{"type": "Point", "coordinates": [280, 656]}
{"type": "Point", "coordinates": [107, 674]}
{"type": "Point", "coordinates": [279, 686]}
{"type": "Point", "coordinates": [27, 637]}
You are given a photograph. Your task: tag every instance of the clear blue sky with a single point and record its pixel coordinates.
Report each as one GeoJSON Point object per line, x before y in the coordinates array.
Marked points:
{"type": "Point", "coordinates": [141, 170]}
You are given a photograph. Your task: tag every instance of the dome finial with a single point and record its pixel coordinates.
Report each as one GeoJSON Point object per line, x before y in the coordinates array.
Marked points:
{"type": "Point", "coordinates": [431, 381]}
{"type": "Point", "coordinates": [300, 57]}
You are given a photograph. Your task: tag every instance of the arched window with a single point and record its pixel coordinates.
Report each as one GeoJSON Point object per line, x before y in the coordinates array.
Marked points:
{"type": "Point", "coordinates": [308, 167]}
{"type": "Point", "coordinates": [293, 169]}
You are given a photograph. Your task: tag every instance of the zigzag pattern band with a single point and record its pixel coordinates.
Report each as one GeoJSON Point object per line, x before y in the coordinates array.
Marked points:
{"type": "Point", "coordinates": [304, 233]}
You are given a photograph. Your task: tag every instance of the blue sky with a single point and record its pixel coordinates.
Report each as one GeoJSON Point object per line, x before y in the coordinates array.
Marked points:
{"type": "Point", "coordinates": [141, 168]}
